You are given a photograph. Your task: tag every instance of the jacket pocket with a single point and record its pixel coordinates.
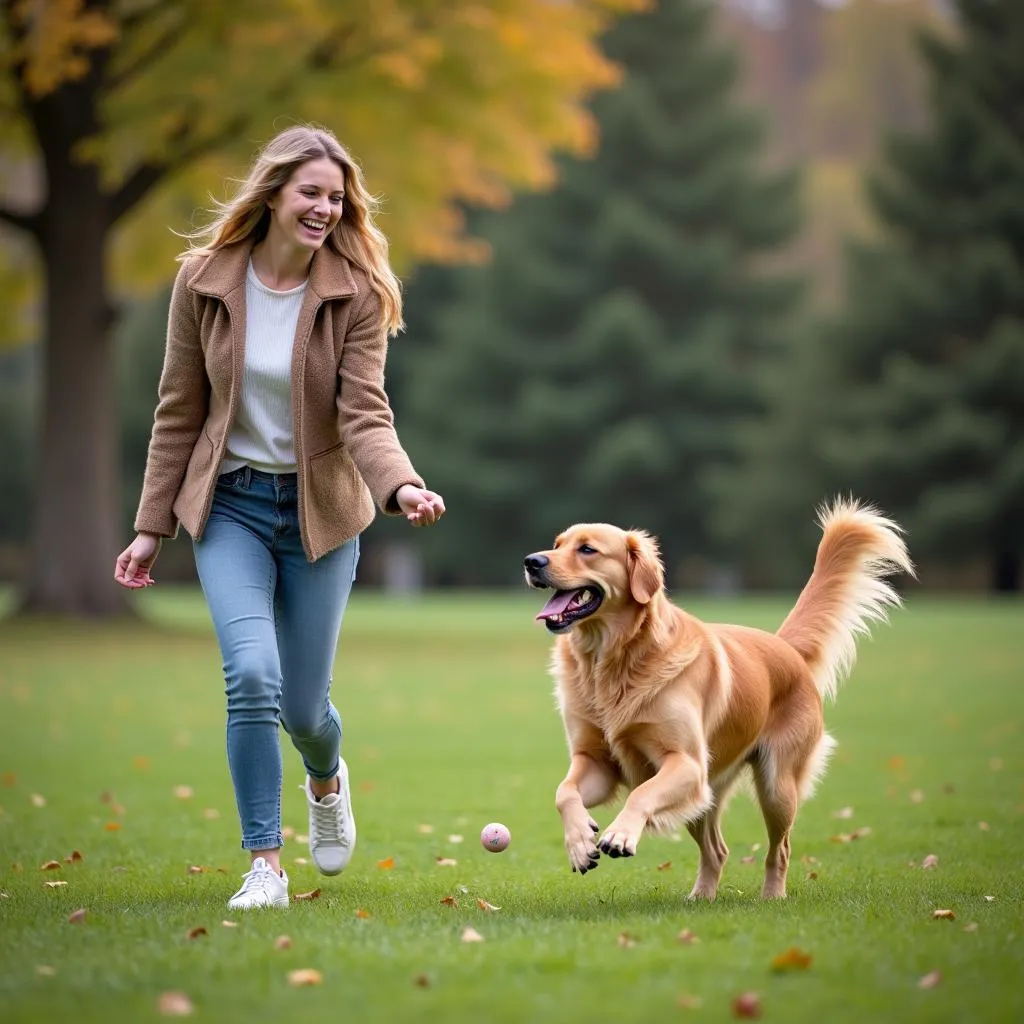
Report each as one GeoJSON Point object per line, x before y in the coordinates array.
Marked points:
{"type": "Point", "coordinates": [333, 481]}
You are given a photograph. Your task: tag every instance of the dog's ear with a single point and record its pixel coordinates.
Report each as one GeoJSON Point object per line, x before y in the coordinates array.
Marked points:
{"type": "Point", "coordinates": [646, 574]}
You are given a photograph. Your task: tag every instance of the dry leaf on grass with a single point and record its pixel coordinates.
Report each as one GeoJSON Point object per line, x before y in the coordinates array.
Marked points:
{"type": "Point", "coordinates": [983, 825]}
{"type": "Point", "coordinates": [363, 915]}
{"type": "Point", "coordinates": [8, 779]}
{"type": "Point", "coordinates": [943, 915]}
{"type": "Point", "coordinates": [989, 899]}
{"type": "Point", "coordinates": [793, 959]}
{"type": "Point", "coordinates": [113, 826]}
{"type": "Point", "coordinates": [230, 924]}
{"type": "Point", "coordinates": [809, 860]}
{"type": "Point", "coordinates": [140, 763]}
{"type": "Point", "coordinates": [930, 980]}
{"type": "Point", "coordinates": [74, 857]}
{"type": "Point", "coordinates": [749, 859]}
{"type": "Point", "coordinates": [812, 876]}
{"type": "Point", "coordinates": [288, 832]}
{"type": "Point", "coordinates": [424, 830]}
{"type": "Point", "coordinates": [747, 1006]}
{"type": "Point", "coordinates": [626, 941]}
{"type": "Point", "coordinates": [282, 942]}
{"type": "Point", "coordinates": [301, 861]}
{"type": "Point", "coordinates": [77, 916]}
{"type": "Point", "coordinates": [50, 865]}
{"type": "Point", "coordinates": [183, 792]}
{"type": "Point", "coordinates": [311, 895]}
{"type": "Point", "coordinates": [305, 976]}
{"type": "Point", "coordinates": [196, 869]}
{"type": "Point", "coordinates": [840, 837]}
{"type": "Point", "coordinates": [843, 812]}
{"type": "Point", "coordinates": [971, 927]}
{"type": "Point", "coordinates": [929, 862]}
{"type": "Point", "coordinates": [211, 814]}
{"type": "Point", "coordinates": [55, 885]}
{"type": "Point", "coordinates": [302, 839]}
{"type": "Point", "coordinates": [37, 800]}
{"type": "Point", "coordinates": [174, 1004]}
{"type": "Point", "coordinates": [197, 932]}
{"type": "Point", "coordinates": [688, 1002]}
{"type": "Point", "coordinates": [421, 981]}
{"type": "Point", "coordinates": [686, 937]}
{"type": "Point", "coordinates": [449, 901]}
{"type": "Point", "coordinates": [665, 865]}
{"type": "Point", "coordinates": [45, 970]}
{"type": "Point", "coordinates": [471, 935]}
{"type": "Point", "coordinates": [455, 838]}
{"type": "Point", "coordinates": [445, 862]}
{"type": "Point", "coordinates": [916, 796]}
{"type": "Point", "coordinates": [386, 864]}
{"type": "Point", "coordinates": [864, 830]}
{"type": "Point", "coordinates": [484, 905]}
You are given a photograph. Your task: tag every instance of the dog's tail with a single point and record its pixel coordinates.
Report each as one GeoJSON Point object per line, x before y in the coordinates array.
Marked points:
{"type": "Point", "coordinates": [847, 589]}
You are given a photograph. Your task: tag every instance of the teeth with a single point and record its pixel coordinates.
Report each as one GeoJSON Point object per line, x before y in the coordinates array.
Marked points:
{"type": "Point", "coordinates": [315, 225]}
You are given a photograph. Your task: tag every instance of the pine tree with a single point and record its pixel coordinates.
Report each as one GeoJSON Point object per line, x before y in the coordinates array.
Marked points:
{"type": "Point", "coordinates": [930, 418]}
{"type": "Point", "coordinates": [597, 368]}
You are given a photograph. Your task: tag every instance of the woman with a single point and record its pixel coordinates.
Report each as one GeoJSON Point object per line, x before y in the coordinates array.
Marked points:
{"type": "Point", "coordinates": [272, 439]}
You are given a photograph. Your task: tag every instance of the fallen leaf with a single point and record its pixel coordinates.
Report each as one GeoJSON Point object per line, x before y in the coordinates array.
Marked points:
{"type": "Point", "coordinates": [113, 826]}
{"type": "Point", "coordinates": [421, 981]}
{"type": "Point", "coordinates": [45, 970]}
{"type": "Point", "coordinates": [74, 857]}
{"type": "Point", "coordinates": [211, 814]}
{"type": "Point", "coordinates": [17, 868]}
{"type": "Point", "coordinates": [755, 847]}
{"type": "Point", "coordinates": [793, 959]}
{"type": "Point", "coordinates": [455, 838]}
{"type": "Point", "coordinates": [230, 924]}
{"type": "Point", "coordinates": [301, 839]}
{"type": "Point", "coordinates": [916, 796]}
{"type": "Point", "coordinates": [929, 862]}
{"type": "Point", "coordinates": [311, 895]}
{"type": "Point", "coordinates": [301, 861]}
{"type": "Point", "coordinates": [983, 825]}
{"type": "Point", "coordinates": [484, 905]}
{"type": "Point", "coordinates": [140, 763]}
{"type": "Point", "coordinates": [174, 1004]}
{"type": "Point", "coordinates": [971, 927]}
{"type": "Point", "coordinates": [859, 833]}
{"type": "Point", "coordinates": [626, 941]}
{"type": "Point", "coordinates": [196, 869]}
{"type": "Point", "coordinates": [282, 942]}
{"type": "Point", "coordinates": [688, 1002]}
{"type": "Point", "coordinates": [386, 864]}
{"type": "Point", "coordinates": [118, 809]}
{"type": "Point", "coordinates": [930, 980]}
{"type": "Point", "coordinates": [948, 788]}
{"type": "Point", "coordinates": [843, 812]}
{"type": "Point", "coordinates": [665, 865]}
{"type": "Point", "coordinates": [363, 915]}
{"type": "Point", "coordinates": [841, 837]}
{"type": "Point", "coordinates": [686, 937]}
{"type": "Point", "coordinates": [8, 778]}
{"type": "Point", "coordinates": [37, 800]}
{"type": "Point", "coordinates": [50, 865]}
{"type": "Point", "coordinates": [367, 786]}
{"type": "Point", "coordinates": [4, 896]}
{"type": "Point", "coordinates": [305, 976]}
{"type": "Point", "coordinates": [106, 797]}
{"type": "Point", "coordinates": [944, 915]}
{"type": "Point", "coordinates": [55, 885]}
{"type": "Point", "coordinates": [445, 862]}
{"type": "Point", "coordinates": [812, 876]}
{"type": "Point", "coordinates": [195, 933]}
{"type": "Point", "coordinates": [897, 763]}
{"type": "Point", "coordinates": [77, 916]}
{"type": "Point", "coordinates": [471, 935]}
{"type": "Point", "coordinates": [288, 832]}
{"type": "Point", "coordinates": [749, 859]}
{"type": "Point", "coordinates": [747, 1005]}
{"type": "Point", "coordinates": [809, 860]}
{"type": "Point", "coordinates": [990, 899]}
{"type": "Point", "coordinates": [424, 830]}
{"type": "Point", "coordinates": [449, 901]}
{"type": "Point", "coordinates": [183, 792]}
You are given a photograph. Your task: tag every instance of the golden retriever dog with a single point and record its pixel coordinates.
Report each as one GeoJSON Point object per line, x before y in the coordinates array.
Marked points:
{"type": "Point", "coordinates": [675, 709]}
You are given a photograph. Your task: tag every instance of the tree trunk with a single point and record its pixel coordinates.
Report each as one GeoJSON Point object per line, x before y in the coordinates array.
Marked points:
{"type": "Point", "coordinates": [76, 528]}
{"type": "Point", "coordinates": [1006, 572]}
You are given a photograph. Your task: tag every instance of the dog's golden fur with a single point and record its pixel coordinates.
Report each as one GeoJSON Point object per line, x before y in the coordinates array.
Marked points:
{"type": "Point", "coordinates": [675, 709]}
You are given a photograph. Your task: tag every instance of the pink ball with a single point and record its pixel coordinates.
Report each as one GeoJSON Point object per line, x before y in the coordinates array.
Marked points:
{"type": "Point", "coordinates": [495, 837]}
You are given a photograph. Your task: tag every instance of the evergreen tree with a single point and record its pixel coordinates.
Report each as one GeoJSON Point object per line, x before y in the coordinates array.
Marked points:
{"type": "Point", "coordinates": [930, 418]}
{"type": "Point", "coordinates": [598, 367]}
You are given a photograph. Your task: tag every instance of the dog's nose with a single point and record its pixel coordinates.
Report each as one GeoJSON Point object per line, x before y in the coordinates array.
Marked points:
{"type": "Point", "coordinates": [535, 562]}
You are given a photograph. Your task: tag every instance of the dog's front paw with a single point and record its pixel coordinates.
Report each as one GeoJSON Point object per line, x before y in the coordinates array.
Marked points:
{"type": "Point", "coordinates": [581, 846]}
{"type": "Point", "coordinates": [620, 838]}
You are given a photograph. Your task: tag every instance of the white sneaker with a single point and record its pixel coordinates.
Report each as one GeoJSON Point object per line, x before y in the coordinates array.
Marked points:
{"type": "Point", "coordinates": [332, 828]}
{"type": "Point", "coordinates": [262, 886]}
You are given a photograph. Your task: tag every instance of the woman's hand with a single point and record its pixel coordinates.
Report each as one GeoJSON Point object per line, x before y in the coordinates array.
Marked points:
{"type": "Point", "coordinates": [421, 507]}
{"type": "Point", "coordinates": [134, 563]}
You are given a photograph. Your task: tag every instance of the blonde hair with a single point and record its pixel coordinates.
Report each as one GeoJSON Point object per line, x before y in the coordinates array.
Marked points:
{"type": "Point", "coordinates": [355, 236]}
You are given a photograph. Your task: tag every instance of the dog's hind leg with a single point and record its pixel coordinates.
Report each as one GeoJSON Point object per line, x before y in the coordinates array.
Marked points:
{"type": "Point", "coordinates": [707, 833]}
{"type": "Point", "coordinates": [779, 795]}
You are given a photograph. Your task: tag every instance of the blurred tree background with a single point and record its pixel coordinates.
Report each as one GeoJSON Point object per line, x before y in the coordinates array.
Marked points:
{"type": "Point", "coordinates": [693, 267]}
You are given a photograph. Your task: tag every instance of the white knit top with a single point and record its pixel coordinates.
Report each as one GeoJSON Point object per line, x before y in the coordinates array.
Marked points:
{"type": "Point", "coordinates": [262, 435]}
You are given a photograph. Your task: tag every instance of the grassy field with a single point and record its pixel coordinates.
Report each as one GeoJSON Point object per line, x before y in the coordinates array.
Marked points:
{"type": "Point", "coordinates": [450, 724]}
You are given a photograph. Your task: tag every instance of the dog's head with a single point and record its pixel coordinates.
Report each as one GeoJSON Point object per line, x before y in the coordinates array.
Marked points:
{"type": "Point", "coordinates": [595, 570]}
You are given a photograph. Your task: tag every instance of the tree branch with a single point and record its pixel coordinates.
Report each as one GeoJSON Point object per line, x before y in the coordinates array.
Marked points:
{"type": "Point", "coordinates": [161, 44]}
{"type": "Point", "coordinates": [29, 222]}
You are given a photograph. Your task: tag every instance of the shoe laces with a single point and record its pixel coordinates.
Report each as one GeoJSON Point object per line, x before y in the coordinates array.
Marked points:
{"type": "Point", "coordinates": [258, 880]}
{"type": "Point", "coordinates": [330, 823]}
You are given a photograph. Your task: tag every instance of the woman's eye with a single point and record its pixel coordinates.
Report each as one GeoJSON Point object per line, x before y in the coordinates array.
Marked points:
{"type": "Point", "coordinates": [586, 549]}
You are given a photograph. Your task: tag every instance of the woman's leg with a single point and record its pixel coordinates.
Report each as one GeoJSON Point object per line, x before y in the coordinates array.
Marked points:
{"type": "Point", "coordinates": [238, 574]}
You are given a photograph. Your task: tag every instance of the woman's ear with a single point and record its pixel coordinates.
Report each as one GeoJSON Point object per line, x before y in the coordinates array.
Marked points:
{"type": "Point", "coordinates": [643, 564]}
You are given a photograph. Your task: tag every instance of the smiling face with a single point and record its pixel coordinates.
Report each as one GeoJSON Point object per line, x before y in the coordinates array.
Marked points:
{"type": "Point", "coordinates": [307, 208]}
{"type": "Point", "coordinates": [594, 568]}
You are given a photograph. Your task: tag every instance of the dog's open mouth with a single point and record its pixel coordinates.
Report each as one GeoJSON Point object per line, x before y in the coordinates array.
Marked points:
{"type": "Point", "coordinates": [569, 606]}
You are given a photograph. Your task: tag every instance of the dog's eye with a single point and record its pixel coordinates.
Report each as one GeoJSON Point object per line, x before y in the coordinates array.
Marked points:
{"type": "Point", "coordinates": [586, 549]}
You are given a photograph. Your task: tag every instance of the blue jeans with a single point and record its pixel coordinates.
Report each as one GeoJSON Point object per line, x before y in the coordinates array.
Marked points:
{"type": "Point", "coordinates": [277, 617]}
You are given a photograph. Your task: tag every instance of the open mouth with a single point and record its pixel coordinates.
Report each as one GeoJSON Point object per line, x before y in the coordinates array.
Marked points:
{"type": "Point", "coordinates": [567, 607]}
{"type": "Point", "coordinates": [314, 227]}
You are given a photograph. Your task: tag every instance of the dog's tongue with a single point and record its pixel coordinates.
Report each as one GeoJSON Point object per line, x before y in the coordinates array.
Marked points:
{"type": "Point", "coordinates": [556, 605]}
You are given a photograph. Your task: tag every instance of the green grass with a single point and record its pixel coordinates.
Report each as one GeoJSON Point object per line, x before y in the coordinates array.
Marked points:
{"type": "Point", "coordinates": [450, 722]}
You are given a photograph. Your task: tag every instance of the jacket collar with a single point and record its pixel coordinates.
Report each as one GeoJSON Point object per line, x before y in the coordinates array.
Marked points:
{"type": "Point", "coordinates": [224, 271]}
